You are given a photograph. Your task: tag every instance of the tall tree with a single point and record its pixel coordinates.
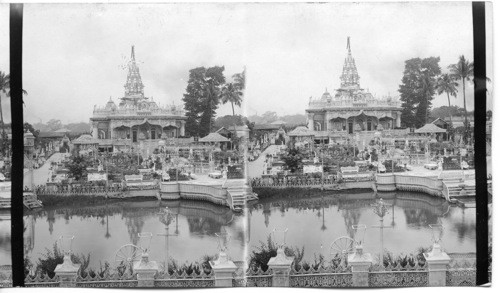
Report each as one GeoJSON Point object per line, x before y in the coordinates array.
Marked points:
{"type": "Point", "coordinates": [446, 84]}
{"type": "Point", "coordinates": [202, 98]}
{"type": "Point", "coordinates": [418, 89]}
{"type": "Point", "coordinates": [240, 80]}
{"type": "Point", "coordinates": [231, 94]}
{"type": "Point", "coordinates": [4, 89]}
{"type": "Point", "coordinates": [464, 71]}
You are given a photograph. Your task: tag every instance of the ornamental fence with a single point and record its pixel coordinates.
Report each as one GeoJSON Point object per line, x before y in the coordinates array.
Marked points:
{"type": "Point", "coordinates": [301, 181]}
{"type": "Point", "coordinates": [340, 276]}
{"type": "Point", "coordinates": [398, 276]}
{"type": "Point", "coordinates": [360, 271]}
{"type": "Point", "coordinates": [66, 190]}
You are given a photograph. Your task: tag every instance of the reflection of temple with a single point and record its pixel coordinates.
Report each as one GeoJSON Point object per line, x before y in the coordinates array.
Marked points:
{"type": "Point", "coordinates": [351, 217]}
{"type": "Point", "coordinates": [136, 119]}
{"type": "Point", "coordinates": [351, 109]}
{"type": "Point", "coordinates": [51, 219]}
{"type": "Point", "coordinates": [29, 234]}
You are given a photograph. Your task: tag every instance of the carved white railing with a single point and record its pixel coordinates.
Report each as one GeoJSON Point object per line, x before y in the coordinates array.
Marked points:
{"type": "Point", "coordinates": [215, 194]}
{"type": "Point", "coordinates": [318, 104]}
{"type": "Point", "coordinates": [103, 112]}
{"type": "Point", "coordinates": [428, 185]}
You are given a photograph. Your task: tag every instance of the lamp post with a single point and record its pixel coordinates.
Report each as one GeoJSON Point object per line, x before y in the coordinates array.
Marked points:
{"type": "Point", "coordinates": [166, 218]}
{"type": "Point", "coordinates": [380, 209]}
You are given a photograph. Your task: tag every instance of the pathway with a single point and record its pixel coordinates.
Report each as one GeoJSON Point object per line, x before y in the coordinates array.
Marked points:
{"type": "Point", "coordinates": [256, 168]}
{"type": "Point", "coordinates": [41, 174]}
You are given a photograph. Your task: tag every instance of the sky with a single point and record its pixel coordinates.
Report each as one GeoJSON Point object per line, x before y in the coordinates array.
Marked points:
{"type": "Point", "coordinates": [74, 54]}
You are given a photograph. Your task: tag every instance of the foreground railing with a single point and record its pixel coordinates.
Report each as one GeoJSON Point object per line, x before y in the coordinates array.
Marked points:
{"type": "Point", "coordinates": [322, 277]}
{"type": "Point", "coordinates": [398, 276]}
{"type": "Point", "coordinates": [435, 268]}
{"type": "Point", "coordinates": [461, 272]}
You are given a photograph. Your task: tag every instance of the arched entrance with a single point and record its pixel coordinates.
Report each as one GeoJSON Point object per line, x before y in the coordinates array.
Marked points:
{"type": "Point", "coordinates": [146, 131]}
{"type": "Point", "coordinates": [338, 124]}
{"type": "Point", "coordinates": [121, 132]}
{"type": "Point", "coordinates": [170, 131]}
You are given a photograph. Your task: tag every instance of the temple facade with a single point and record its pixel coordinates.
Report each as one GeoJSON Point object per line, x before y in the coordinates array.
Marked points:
{"type": "Point", "coordinates": [351, 109]}
{"type": "Point", "coordinates": [137, 118]}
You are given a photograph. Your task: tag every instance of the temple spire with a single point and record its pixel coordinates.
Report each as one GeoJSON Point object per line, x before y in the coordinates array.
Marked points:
{"type": "Point", "coordinates": [133, 86]}
{"type": "Point", "coordinates": [349, 78]}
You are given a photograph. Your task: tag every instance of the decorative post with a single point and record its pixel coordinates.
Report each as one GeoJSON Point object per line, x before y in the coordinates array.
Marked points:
{"type": "Point", "coordinates": [67, 272]}
{"type": "Point", "coordinates": [281, 264]}
{"type": "Point", "coordinates": [145, 269]}
{"type": "Point", "coordinates": [437, 259]}
{"type": "Point", "coordinates": [360, 261]}
{"type": "Point", "coordinates": [166, 218]}
{"type": "Point", "coordinates": [183, 128]}
{"type": "Point", "coordinates": [380, 209]}
{"type": "Point", "coordinates": [223, 266]}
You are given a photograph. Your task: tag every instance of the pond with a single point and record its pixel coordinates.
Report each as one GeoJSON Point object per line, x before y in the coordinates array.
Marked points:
{"type": "Point", "coordinates": [313, 222]}
{"type": "Point", "coordinates": [5, 238]}
{"type": "Point", "coordinates": [103, 230]}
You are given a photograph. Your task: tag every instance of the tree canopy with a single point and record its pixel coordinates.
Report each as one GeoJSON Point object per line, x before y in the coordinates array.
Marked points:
{"type": "Point", "coordinates": [229, 121]}
{"type": "Point", "coordinates": [202, 98]}
{"type": "Point", "coordinates": [417, 89]}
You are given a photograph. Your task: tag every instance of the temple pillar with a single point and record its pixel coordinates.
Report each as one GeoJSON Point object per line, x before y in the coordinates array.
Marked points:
{"type": "Point", "coordinates": [182, 130]}
{"type": "Point", "coordinates": [398, 119]}
{"type": "Point", "coordinates": [310, 121]}
{"type": "Point", "coordinates": [95, 132]}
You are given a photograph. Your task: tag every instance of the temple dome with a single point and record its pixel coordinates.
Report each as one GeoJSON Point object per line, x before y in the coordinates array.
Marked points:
{"type": "Point", "coordinates": [110, 104]}
{"type": "Point", "coordinates": [326, 96]}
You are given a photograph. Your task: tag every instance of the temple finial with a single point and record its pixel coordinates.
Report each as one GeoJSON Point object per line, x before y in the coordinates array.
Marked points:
{"type": "Point", "coordinates": [349, 44]}
{"type": "Point", "coordinates": [132, 55]}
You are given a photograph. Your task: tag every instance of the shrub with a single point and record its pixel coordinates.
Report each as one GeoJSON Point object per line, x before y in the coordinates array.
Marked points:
{"type": "Point", "coordinates": [260, 257]}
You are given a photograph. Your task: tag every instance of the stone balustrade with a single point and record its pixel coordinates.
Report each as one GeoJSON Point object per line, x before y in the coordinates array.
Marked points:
{"type": "Point", "coordinates": [391, 182]}
{"type": "Point", "coordinates": [186, 190]}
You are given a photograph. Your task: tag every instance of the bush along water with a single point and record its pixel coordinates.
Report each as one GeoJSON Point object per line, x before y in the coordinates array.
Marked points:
{"type": "Point", "coordinates": [46, 265]}
{"type": "Point", "coordinates": [261, 255]}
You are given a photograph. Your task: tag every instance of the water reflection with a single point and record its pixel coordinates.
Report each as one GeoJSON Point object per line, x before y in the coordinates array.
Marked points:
{"type": "Point", "coordinates": [5, 238]}
{"type": "Point", "coordinates": [102, 230]}
{"type": "Point", "coordinates": [408, 214]}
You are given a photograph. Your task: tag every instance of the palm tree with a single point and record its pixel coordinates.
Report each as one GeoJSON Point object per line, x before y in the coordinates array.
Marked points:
{"type": "Point", "coordinates": [240, 80]}
{"type": "Point", "coordinates": [463, 70]}
{"type": "Point", "coordinates": [5, 89]}
{"type": "Point", "coordinates": [428, 85]}
{"type": "Point", "coordinates": [231, 94]}
{"type": "Point", "coordinates": [446, 84]}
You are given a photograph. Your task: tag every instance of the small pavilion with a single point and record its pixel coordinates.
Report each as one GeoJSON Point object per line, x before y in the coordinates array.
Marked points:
{"type": "Point", "coordinates": [432, 130]}
{"type": "Point", "coordinates": [301, 135]}
{"type": "Point", "coordinates": [85, 143]}
{"type": "Point", "coordinates": [215, 139]}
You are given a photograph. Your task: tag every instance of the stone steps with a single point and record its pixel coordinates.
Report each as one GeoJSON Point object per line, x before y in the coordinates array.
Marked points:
{"type": "Point", "coordinates": [32, 203]}
{"type": "Point", "coordinates": [456, 191]}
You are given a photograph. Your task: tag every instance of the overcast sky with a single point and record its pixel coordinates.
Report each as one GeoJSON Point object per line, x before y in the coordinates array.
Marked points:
{"type": "Point", "coordinates": [74, 54]}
